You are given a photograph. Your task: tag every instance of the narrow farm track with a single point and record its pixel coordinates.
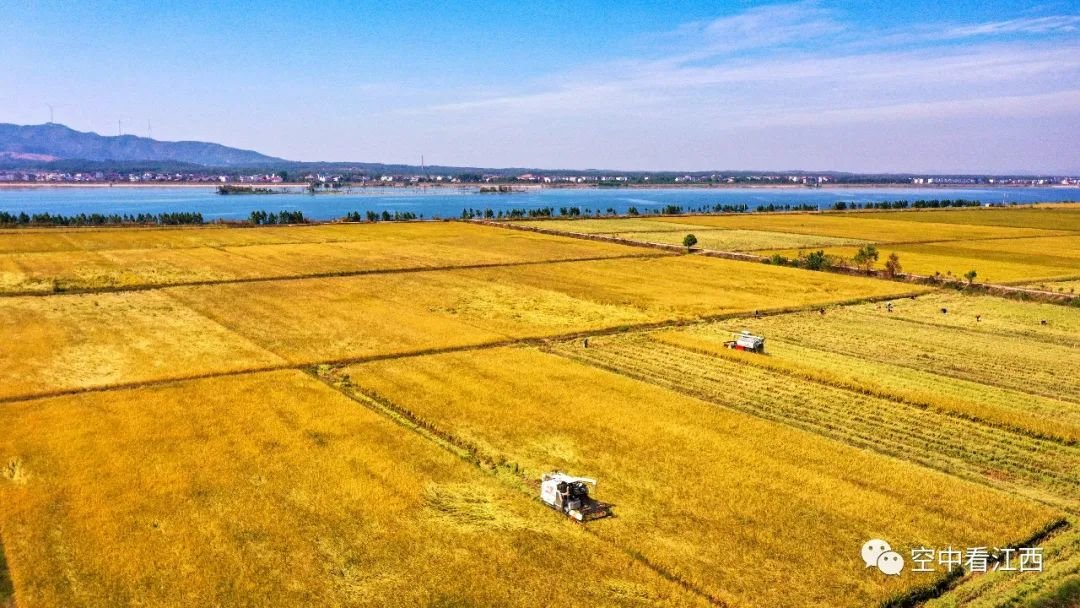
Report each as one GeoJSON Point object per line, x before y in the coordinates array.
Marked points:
{"type": "Point", "coordinates": [1038, 469]}
{"type": "Point", "coordinates": [464, 450]}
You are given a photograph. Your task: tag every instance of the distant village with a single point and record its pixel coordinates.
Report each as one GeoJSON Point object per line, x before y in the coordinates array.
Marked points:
{"type": "Point", "coordinates": [553, 179]}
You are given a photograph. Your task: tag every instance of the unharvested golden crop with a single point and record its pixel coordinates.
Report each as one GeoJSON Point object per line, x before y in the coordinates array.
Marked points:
{"type": "Point", "coordinates": [96, 239]}
{"type": "Point", "coordinates": [274, 490]}
{"type": "Point", "coordinates": [346, 249]}
{"type": "Point", "coordinates": [726, 501]}
{"type": "Point", "coordinates": [313, 320]}
{"type": "Point", "coordinates": [687, 287]}
{"type": "Point", "coordinates": [860, 226]}
{"type": "Point", "coordinates": [179, 237]}
{"type": "Point", "coordinates": [58, 343]}
{"type": "Point", "coordinates": [613, 225]}
{"type": "Point", "coordinates": [316, 320]}
{"type": "Point", "coordinates": [1050, 217]}
{"type": "Point", "coordinates": [54, 272]}
{"type": "Point", "coordinates": [953, 260]}
{"type": "Point", "coordinates": [740, 240]}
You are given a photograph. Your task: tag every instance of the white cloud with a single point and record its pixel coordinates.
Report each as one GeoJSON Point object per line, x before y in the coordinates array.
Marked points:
{"type": "Point", "coordinates": [760, 27]}
{"type": "Point", "coordinates": [1033, 25]}
{"type": "Point", "coordinates": [781, 67]}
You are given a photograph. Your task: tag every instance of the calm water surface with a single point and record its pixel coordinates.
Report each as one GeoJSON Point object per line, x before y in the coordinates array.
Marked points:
{"type": "Point", "coordinates": [448, 202]}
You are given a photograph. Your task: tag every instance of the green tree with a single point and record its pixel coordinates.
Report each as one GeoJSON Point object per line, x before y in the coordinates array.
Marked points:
{"type": "Point", "coordinates": [817, 260]}
{"type": "Point", "coordinates": [689, 241]}
{"type": "Point", "coordinates": [970, 276]}
{"type": "Point", "coordinates": [892, 265]}
{"type": "Point", "coordinates": [866, 257]}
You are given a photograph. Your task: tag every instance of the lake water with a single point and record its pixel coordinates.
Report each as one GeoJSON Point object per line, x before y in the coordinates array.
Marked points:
{"type": "Point", "coordinates": [449, 202]}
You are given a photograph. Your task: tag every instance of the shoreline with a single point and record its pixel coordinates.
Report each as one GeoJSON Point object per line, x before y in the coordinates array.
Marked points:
{"type": "Point", "coordinates": [533, 187]}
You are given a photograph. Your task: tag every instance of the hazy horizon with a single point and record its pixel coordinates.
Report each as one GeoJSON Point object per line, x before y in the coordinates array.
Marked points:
{"type": "Point", "coordinates": [913, 87]}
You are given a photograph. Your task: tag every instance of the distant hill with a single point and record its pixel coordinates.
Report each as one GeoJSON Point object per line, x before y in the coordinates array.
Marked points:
{"type": "Point", "coordinates": [52, 142]}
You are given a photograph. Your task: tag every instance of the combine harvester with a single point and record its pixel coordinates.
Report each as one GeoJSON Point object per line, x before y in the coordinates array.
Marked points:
{"type": "Point", "coordinates": [747, 342]}
{"type": "Point", "coordinates": [570, 495]}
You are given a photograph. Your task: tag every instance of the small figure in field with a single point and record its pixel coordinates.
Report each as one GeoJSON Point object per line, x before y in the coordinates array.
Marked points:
{"type": "Point", "coordinates": [585, 343]}
{"type": "Point", "coordinates": [757, 313]}
{"type": "Point", "coordinates": [944, 311]}
{"type": "Point", "coordinates": [1043, 322]}
{"type": "Point", "coordinates": [888, 307]}
{"type": "Point", "coordinates": [822, 311]}
{"type": "Point", "coordinates": [978, 318]}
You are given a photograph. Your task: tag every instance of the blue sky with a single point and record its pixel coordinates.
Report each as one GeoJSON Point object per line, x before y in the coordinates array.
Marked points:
{"type": "Point", "coordinates": [891, 86]}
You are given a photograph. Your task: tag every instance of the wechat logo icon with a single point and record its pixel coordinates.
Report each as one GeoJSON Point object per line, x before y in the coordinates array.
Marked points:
{"type": "Point", "coordinates": [877, 553]}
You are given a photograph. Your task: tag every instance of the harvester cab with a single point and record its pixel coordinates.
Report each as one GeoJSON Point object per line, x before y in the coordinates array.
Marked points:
{"type": "Point", "coordinates": [748, 342]}
{"type": "Point", "coordinates": [570, 495]}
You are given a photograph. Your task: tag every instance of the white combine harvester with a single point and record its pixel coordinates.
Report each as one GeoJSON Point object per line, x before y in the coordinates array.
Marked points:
{"type": "Point", "coordinates": [570, 495]}
{"type": "Point", "coordinates": [748, 342]}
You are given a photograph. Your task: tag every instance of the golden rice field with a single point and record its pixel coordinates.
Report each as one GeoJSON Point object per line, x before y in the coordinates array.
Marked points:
{"type": "Point", "coordinates": [719, 498]}
{"type": "Point", "coordinates": [358, 415]}
{"type": "Point", "coordinates": [273, 489]}
{"type": "Point", "coordinates": [995, 261]}
{"type": "Point", "coordinates": [1055, 587]}
{"type": "Point", "coordinates": [859, 413]}
{"type": "Point", "coordinates": [110, 259]}
{"type": "Point", "coordinates": [312, 320]}
{"type": "Point", "coordinates": [990, 315]}
{"type": "Point", "coordinates": [735, 239]}
{"type": "Point", "coordinates": [1067, 286]}
{"type": "Point", "coordinates": [31, 240]}
{"type": "Point", "coordinates": [858, 225]}
{"type": "Point", "coordinates": [1065, 216]}
{"type": "Point", "coordinates": [60, 343]}
{"type": "Point", "coordinates": [1038, 367]}
{"type": "Point", "coordinates": [1002, 245]}
{"type": "Point", "coordinates": [620, 225]}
